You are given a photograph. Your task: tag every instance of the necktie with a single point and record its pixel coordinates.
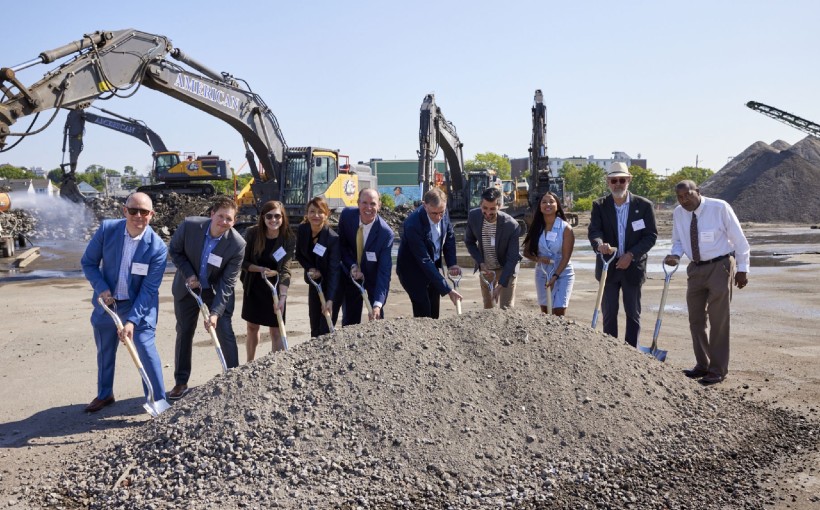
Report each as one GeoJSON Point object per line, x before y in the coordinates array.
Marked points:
{"type": "Point", "coordinates": [359, 244]}
{"type": "Point", "coordinates": [693, 237]}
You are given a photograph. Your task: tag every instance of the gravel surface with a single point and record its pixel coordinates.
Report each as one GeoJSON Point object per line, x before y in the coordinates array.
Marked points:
{"type": "Point", "coordinates": [485, 410]}
{"type": "Point", "coordinates": [771, 183]}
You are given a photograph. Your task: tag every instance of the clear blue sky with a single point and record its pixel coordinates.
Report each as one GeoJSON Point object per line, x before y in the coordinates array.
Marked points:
{"type": "Point", "coordinates": [666, 80]}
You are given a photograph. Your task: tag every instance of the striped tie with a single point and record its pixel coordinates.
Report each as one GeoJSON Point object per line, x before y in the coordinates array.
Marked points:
{"type": "Point", "coordinates": [693, 237]}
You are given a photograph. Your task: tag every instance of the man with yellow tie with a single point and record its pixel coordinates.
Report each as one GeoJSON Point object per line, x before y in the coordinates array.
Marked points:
{"type": "Point", "coordinates": [708, 232]}
{"type": "Point", "coordinates": [366, 242]}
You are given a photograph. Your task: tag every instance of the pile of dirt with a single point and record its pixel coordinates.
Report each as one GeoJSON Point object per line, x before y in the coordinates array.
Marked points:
{"type": "Point", "coordinates": [395, 217]}
{"type": "Point", "coordinates": [771, 183]}
{"type": "Point", "coordinates": [485, 410]}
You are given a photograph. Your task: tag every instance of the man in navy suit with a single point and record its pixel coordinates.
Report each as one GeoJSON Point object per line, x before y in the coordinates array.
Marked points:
{"type": "Point", "coordinates": [208, 254]}
{"type": "Point", "coordinates": [124, 262]}
{"type": "Point", "coordinates": [364, 227]}
{"type": "Point", "coordinates": [627, 222]}
{"type": "Point", "coordinates": [427, 244]}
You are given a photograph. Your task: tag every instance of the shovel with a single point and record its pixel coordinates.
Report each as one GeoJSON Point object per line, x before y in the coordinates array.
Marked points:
{"type": "Point", "coordinates": [206, 315]}
{"type": "Point", "coordinates": [455, 281]}
{"type": "Point", "coordinates": [489, 283]}
{"type": "Point", "coordinates": [154, 407]}
{"type": "Point", "coordinates": [322, 301]}
{"type": "Point", "coordinates": [548, 274]}
{"type": "Point", "coordinates": [279, 320]}
{"type": "Point", "coordinates": [653, 350]}
{"type": "Point", "coordinates": [365, 298]}
{"type": "Point", "coordinates": [601, 285]}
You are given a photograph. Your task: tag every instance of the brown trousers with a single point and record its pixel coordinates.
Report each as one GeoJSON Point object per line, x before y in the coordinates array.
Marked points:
{"type": "Point", "coordinates": [506, 298]}
{"type": "Point", "coordinates": [708, 294]}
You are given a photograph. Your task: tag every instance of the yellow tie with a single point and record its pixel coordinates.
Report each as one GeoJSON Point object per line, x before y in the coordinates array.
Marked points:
{"type": "Point", "coordinates": [359, 245]}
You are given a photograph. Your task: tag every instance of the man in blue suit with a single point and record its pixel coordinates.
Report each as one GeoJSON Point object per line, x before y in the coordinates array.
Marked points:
{"type": "Point", "coordinates": [427, 243]}
{"type": "Point", "coordinates": [366, 241]}
{"type": "Point", "coordinates": [124, 262]}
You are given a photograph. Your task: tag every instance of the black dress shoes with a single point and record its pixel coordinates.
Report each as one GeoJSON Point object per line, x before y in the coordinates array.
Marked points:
{"type": "Point", "coordinates": [98, 404]}
{"type": "Point", "coordinates": [694, 373]}
{"type": "Point", "coordinates": [711, 379]}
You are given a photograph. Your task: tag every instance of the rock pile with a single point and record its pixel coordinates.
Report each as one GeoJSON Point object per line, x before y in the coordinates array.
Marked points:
{"type": "Point", "coordinates": [771, 183]}
{"type": "Point", "coordinates": [485, 410]}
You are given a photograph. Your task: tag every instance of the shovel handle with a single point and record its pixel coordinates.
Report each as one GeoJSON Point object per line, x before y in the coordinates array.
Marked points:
{"type": "Point", "coordinates": [366, 300]}
{"type": "Point", "coordinates": [279, 320]}
{"type": "Point", "coordinates": [666, 280]}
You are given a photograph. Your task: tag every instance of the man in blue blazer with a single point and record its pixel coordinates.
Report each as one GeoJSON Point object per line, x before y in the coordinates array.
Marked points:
{"type": "Point", "coordinates": [427, 243]}
{"type": "Point", "coordinates": [624, 221]}
{"type": "Point", "coordinates": [208, 255]}
{"type": "Point", "coordinates": [374, 263]}
{"type": "Point", "coordinates": [124, 262]}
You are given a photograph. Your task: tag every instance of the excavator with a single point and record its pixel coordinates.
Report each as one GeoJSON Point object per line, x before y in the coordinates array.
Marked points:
{"type": "Point", "coordinates": [794, 121]}
{"type": "Point", "coordinates": [541, 179]}
{"type": "Point", "coordinates": [169, 170]}
{"type": "Point", "coordinates": [109, 64]}
{"type": "Point", "coordinates": [463, 189]}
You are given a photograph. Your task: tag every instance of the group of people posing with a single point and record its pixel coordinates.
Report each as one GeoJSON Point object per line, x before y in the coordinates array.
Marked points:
{"type": "Point", "coordinates": [349, 269]}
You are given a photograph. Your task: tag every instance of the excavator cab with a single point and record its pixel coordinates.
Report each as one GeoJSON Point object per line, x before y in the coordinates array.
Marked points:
{"type": "Point", "coordinates": [164, 162]}
{"type": "Point", "coordinates": [314, 172]}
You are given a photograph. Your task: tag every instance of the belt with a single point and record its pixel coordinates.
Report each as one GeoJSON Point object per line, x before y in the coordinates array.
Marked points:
{"type": "Point", "coordinates": [716, 259]}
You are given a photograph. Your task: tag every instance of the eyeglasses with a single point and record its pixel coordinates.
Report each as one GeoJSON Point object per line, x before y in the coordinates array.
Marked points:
{"type": "Point", "coordinates": [273, 216]}
{"type": "Point", "coordinates": [618, 180]}
{"type": "Point", "coordinates": [133, 211]}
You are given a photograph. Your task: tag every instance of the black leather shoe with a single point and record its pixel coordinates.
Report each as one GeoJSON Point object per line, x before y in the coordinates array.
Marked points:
{"type": "Point", "coordinates": [98, 404]}
{"type": "Point", "coordinates": [694, 373]}
{"type": "Point", "coordinates": [711, 379]}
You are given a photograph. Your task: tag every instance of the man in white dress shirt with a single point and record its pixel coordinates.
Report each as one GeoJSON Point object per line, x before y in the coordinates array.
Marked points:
{"type": "Point", "coordinates": [709, 233]}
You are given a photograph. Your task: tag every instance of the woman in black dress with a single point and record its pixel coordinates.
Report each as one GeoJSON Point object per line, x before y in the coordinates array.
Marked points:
{"type": "Point", "coordinates": [269, 249]}
{"type": "Point", "coordinates": [317, 250]}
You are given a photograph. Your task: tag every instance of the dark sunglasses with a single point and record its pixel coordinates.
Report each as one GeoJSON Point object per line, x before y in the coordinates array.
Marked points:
{"type": "Point", "coordinates": [618, 180]}
{"type": "Point", "coordinates": [133, 211]}
{"type": "Point", "coordinates": [272, 216]}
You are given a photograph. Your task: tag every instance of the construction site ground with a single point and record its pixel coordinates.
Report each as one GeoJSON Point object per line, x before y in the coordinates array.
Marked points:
{"type": "Point", "coordinates": [49, 370]}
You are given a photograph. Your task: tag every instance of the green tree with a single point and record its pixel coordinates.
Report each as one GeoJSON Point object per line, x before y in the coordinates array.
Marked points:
{"type": "Point", "coordinates": [13, 172]}
{"type": "Point", "coordinates": [644, 183]}
{"type": "Point", "coordinates": [226, 187]}
{"type": "Point", "coordinates": [55, 176]}
{"type": "Point", "coordinates": [687, 173]}
{"type": "Point", "coordinates": [571, 175]}
{"type": "Point", "coordinates": [490, 161]}
{"type": "Point", "coordinates": [129, 170]}
{"type": "Point", "coordinates": [592, 182]}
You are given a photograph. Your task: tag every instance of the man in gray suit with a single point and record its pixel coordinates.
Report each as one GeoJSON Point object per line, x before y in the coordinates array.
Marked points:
{"type": "Point", "coordinates": [492, 240]}
{"type": "Point", "coordinates": [208, 255]}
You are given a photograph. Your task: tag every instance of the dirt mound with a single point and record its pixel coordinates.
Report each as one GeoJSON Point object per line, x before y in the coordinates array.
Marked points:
{"type": "Point", "coordinates": [767, 184]}
{"type": "Point", "coordinates": [485, 410]}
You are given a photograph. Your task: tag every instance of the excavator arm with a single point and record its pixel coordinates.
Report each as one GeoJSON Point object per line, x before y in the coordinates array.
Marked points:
{"type": "Point", "coordinates": [437, 132]}
{"type": "Point", "coordinates": [114, 64]}
{"type": "Point", "coordinates": [539, 162]}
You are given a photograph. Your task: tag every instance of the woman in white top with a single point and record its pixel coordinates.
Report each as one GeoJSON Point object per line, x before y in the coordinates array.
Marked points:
{"type": "Point", "coordinates": [549, 243]}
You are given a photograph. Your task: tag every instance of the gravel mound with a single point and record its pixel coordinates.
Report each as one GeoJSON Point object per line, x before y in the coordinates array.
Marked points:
{"type": "Point", "coordinates": [771, 183]}
{"type": "Point", "coordinates": [485, 410]}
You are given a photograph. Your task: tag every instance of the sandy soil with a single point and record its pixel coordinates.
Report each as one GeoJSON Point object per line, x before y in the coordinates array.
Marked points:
{"type": "Point", "coordinates": [49, 373]}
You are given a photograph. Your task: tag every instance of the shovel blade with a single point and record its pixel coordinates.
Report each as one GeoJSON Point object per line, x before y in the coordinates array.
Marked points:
{"type": "Point", "coordinates": [156, 408]}
{"type": "Point", "coordinates": [656, 353]}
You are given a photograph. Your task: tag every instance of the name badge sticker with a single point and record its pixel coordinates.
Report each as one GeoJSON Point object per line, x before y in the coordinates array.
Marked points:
{"type": "Point", "coordinates": [139, 269]}
{"type": "Point", "coordinates": [552, 236]}
{"type": "Point", "coordinates": [319, 250]}
{"type": "Point", "coordinates": [638, 225]}
{"type": "Point", "coordinates": [214, 260]}
{"type": "Point", "coordinates": [279, 254]}
{"type": "Point", "coordinates": [371, 256]}
{"type": "Point", "coordinates": [707, 237]}
{"type": "Point", "coordinates": [492, 241]}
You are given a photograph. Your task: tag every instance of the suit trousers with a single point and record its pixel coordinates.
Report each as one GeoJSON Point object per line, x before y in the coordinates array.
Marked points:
{"type": "Point", "coordinates": [352, 302]}
{"type": "Point", "coordinates": [616, 283]}
{"type": "Point", "coordinates": [708, 295]}
{"type": "Point", "coordinates": [107, 340]}
{"type": "Point", "coordinates": [318, 323]}
{"type": "Point", "coordinates": [423, 294]}
{"type": "Point", "coordinates": [189, 319]}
